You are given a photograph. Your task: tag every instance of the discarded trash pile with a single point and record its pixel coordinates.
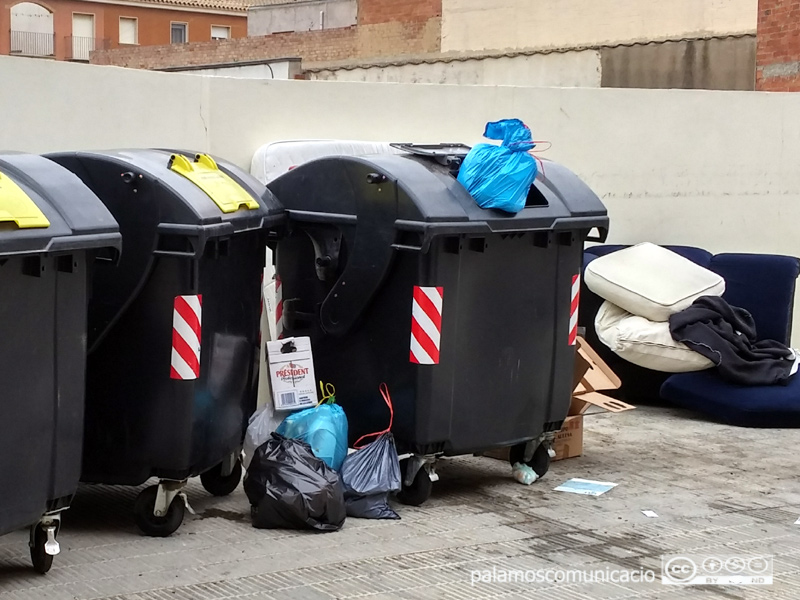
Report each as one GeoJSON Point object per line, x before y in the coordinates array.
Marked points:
{"type": "Point", "coordinates": [708, 332]}
{"type": "Point", "coordinates": [300, 476]}
{"type": "Point", "coordinates": [422, 302]}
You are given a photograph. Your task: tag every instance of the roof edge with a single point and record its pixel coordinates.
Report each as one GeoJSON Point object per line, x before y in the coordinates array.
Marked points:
{"type": "Point", "coordinates": [446, 57]}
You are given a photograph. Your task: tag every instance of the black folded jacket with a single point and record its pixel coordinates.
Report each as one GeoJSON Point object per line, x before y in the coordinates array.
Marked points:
{"type": "Point", "coordinates": [726, 335]}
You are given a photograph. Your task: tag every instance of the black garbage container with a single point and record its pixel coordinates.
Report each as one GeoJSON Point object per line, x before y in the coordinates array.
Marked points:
{"type": "Point", "coordinates": [52, 228]}
{"type": "Point", "coordinates": [173, 329]}
{"type": "Point", "coordinates": [467, 314]}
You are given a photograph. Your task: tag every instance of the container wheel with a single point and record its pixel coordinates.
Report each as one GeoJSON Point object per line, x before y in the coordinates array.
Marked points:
{"type": "Point", "coordinates": [42, 561]}
{"type": "Point", "coordinates": [419, 490]}
{"type": "Point", "coordinates": [157, 526]}
{"type": "Point", "coordinates": [217, 484]}
{"type": "Point", "coordinates": [540, 462]}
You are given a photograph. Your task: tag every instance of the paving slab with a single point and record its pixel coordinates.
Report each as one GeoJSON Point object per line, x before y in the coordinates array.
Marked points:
{"type": "Point", "coordinates": [717, 490]}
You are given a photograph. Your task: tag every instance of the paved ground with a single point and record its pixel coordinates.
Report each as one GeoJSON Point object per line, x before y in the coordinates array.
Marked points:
{"type": "Point", "coordinates": [717, 490]}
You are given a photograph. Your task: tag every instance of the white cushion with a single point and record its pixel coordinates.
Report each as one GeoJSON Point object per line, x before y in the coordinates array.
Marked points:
{"type": "Point", "coordinates": [648, 344]}
{"type": "Point", "coordinates": [651, 281]}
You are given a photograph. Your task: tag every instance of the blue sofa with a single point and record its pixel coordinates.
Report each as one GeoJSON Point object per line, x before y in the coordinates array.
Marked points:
{"type": "Point", "coordinates": [761, 283]}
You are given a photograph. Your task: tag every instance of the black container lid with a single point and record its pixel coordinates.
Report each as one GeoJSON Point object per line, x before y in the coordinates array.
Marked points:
{"type": "Point", "coordinates": [201, 192]}
{"type": "Point", "coordinates": [429, 198]}
{"type": "Point", "coordinates": [44, 208]}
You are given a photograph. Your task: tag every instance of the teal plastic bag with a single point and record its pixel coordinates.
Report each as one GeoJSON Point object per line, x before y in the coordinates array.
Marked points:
{"type": "Point", "coordinates": [501, 176]}
{"type": "Point", "coordinates": [324, 428]}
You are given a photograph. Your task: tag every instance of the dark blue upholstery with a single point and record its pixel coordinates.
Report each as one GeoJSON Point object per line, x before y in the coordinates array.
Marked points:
{"type": "Point", "coordinates": [696, 255]}
{"type": "Point", "coordinates": [603, 249]}
{"type": "Point", "coordinates": [704, 391]}
{"type": "Point", "coordinates": [761, 283]}
{"type": "Point", "coordinates": [764, 285]}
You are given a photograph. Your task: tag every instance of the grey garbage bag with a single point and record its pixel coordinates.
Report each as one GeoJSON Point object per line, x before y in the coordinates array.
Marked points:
{"type": "Point", "coordinates": [290, 488]}
{"type": "Point", "coordinates": [369, 475]}
{"type": "Point", "coordinates": [263, 422]}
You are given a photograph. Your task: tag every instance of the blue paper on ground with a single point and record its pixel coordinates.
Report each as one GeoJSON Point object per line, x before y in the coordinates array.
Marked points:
{"type": "Point", "coordinates": [585, 487]}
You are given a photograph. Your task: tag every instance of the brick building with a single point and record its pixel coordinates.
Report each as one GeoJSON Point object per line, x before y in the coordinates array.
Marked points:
{"type": "Point", "coordinates": [588, 43]}
{"type": "Point", "coordinates": [778, 50]}
{"type": "Point", "coordinates": [735, 45]}
{"type": "Point", "coordinates": [73, 29]}
{"type": "Point", "coordinates": [380, 28]}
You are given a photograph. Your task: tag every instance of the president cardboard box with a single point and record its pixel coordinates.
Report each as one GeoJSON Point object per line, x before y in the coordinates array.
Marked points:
{"type": "Point", "coordinates": [590, 377]}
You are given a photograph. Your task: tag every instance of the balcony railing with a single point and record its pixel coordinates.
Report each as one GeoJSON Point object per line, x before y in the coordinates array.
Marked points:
{"type": "Point", "coordinates": [79, 48]}
{"type": "Point", "coordinates": [30, 43]}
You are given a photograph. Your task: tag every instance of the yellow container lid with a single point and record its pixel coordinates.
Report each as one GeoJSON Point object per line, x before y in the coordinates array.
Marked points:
{"type": "Point", "coordinates": [228, 195]}
{"type": "Point", "coordinates": [17, 207]}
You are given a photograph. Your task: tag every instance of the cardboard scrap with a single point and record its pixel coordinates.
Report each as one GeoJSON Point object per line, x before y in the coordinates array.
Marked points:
{"type": "Point", "coordinates": [590, 377]}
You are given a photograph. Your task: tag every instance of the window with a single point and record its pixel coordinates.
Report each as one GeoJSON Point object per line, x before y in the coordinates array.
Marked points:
{"type": "Point", "coordinates": [31, 30]}
{"type": "Point", "coordinates": [82, 36]}
{"type": "Point", "coordinates": [219, 32]}
{"type": "Point", "coordinates": [178, 35]}
{"type": "Point", "coordinates": [128, 30]}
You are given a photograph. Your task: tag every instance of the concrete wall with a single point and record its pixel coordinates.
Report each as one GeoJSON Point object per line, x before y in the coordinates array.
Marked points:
{"type": "Point", "coordinates": [558, 69]}
{"type": "Point", "coordinates": [501, 24]}
{"type": "Point", "coordinates": [301, 16]}
{"type": "Point", "coordinates": [283, 69]}
{"type": "Point", "coordinates": [714, 169]}
{"type": "Point", "coordinates": [721, 63]}
{"type": "Point", "coordinates": [710, 64]}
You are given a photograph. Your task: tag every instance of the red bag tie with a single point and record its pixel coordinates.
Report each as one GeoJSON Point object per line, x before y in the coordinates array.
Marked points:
{"type": "Point", "coordinates": [384, 389]}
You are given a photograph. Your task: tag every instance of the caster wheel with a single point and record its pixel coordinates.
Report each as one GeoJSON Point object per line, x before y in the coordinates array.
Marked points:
{"type": "Point", "coordinates": [42, 561]}
{"type": "Point", "coordinates": [540, 462]}
{"type": "Point", "coordinates": [419, 490]}
{"type": "Point", "coordinates": [157, 526]}
{"type": "Point", "coordinates": [218, 485]}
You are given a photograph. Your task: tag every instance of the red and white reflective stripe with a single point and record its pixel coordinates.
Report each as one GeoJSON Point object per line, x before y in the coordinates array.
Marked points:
{"type": "Point", "coordinates": [573, 309]}
{"type": "Point", "coordinates": [278, 308]}
{"type": "Point", "coordinates": [186, 319]}
{"type": "Point", "coordinates": [426, 325]}
{"type": "Point", "coordinates": [261, 310]}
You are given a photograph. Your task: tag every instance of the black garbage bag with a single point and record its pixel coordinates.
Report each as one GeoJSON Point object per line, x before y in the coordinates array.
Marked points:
{"type": "Point", "coordinates": [369, 475]}
{"type": "Point", "coordinates": [290, 488]}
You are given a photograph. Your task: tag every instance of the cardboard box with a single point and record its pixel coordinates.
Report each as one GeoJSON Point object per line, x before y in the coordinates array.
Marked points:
{"type": "Point", "coordinates": [568, 442]}
{"type": "Point", "coordinates": [291, 372]}
{"type": "Point", "coordinates": [590, 377]}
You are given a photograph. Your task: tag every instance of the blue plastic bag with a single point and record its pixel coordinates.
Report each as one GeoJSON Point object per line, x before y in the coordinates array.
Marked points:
{"type": "Point", "coordinates": [324, 428]}
{"type": "Point", "coordinates": [501, 176]}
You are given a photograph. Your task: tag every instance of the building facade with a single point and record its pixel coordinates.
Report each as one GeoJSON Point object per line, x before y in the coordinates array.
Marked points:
{"type": "Point", "coordinates": [471, 25]}
{"type": "Point", "coordinates": [694, 44]}
{"type": "Point", "coordinates": [73, 29]}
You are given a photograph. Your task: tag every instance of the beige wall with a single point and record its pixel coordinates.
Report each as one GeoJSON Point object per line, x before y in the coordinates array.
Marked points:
{"type": "Point", "coordinates": [557, 69]}
{"type": "Point", "coordinates": [714, 169]}
{"type": "Point", "coordinates": [305, 16]}
{"type": "Point", "coordinates": [500, 24]}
